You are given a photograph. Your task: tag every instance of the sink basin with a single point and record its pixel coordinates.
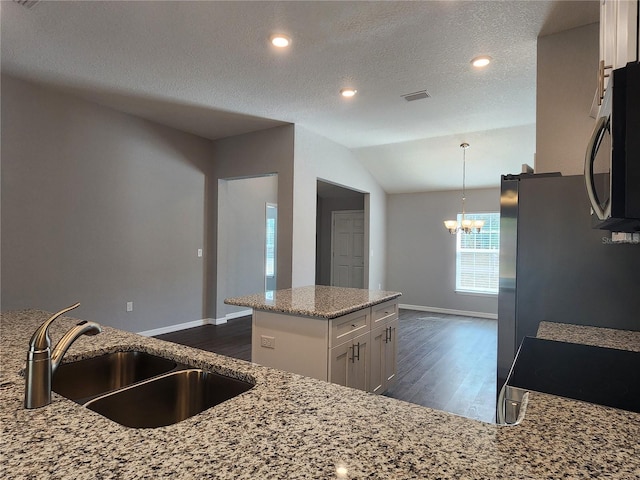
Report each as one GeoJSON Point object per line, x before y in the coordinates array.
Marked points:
{"type": "Point", "coordinates": [167, 399]}
{"type": "Point", "coordinates": [79, 381]}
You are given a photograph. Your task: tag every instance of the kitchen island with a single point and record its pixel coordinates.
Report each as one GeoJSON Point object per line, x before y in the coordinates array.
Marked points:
{"type": "Point", "coordinates": [290, 426]}
{"type": "Point", "coordinates": [342, 335]}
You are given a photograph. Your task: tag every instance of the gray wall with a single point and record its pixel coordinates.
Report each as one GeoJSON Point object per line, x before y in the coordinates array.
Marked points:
{"type": "Point", "coordinates": [318, 158]}
{"type": "Point", "coordinates": [102, 208]}
{"type": "Point", "coordinates": [253, 154]}
{"type": "Point", "coordinates": [566, 84]}
{"type": "Point", "coordinates": [421, 258]}
{"type": "Point", "coordinates": [241, 237]}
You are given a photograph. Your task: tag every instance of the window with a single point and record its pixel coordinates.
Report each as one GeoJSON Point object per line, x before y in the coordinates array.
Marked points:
{"type": "Point", "coordinates": [270, 248]}
{"type": "Point", "coordinates": [477, 256]}
{"type": "Point", "coordinates": [270, 267]}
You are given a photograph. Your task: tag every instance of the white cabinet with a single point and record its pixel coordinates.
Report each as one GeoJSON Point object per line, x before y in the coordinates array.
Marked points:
{"type": "Point", "coordinates": [349, 363]}
{"type": "Point", "coordinates": [391, 355]}
{"type": "Point", "coordinates": [384, 356]}
{"type": "Point", "coordinates": [618, 38]}
{"type": "Point", "coordinates": [357, 350]}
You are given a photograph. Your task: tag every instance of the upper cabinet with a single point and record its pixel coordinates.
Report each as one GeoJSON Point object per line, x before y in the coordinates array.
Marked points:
{"type": "Point", "coordinates": [618, 37]}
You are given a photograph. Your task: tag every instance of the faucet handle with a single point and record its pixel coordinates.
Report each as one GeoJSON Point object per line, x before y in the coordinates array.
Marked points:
{"type": "Point", "coordinates": [40, 339]}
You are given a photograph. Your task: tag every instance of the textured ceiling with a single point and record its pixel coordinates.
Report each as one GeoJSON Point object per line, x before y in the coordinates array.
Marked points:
{"type": "Point", "coordinates": [207, 68]}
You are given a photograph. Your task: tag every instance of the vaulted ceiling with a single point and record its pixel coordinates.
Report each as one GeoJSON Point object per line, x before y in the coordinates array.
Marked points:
{"type": "Point", "coordinates": [208, 68]}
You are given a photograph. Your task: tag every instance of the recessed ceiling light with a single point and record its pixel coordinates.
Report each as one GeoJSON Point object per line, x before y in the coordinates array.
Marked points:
{"type": "Point", "coordinates": [280, 40]}
{"type": "Point", "coordinates": [481, 61]}
{"type": "Point", "coordinates": [348, 92]}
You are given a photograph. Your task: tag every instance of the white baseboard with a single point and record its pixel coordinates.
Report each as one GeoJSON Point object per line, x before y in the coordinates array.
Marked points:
{"type": "Point", "coordinates": [174, 328]}
{"type": "Point", "coordinates": [195, 323]}
{"type": "Point", "coordinates": [420, 308]}
{"type": "Point", "coordinates": [241, 313]}
{"type": "Point", "coordinates": [230, 316]}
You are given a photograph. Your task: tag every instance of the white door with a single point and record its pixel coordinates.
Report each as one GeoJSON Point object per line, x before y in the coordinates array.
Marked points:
{"type": "Point", "coordinates": [347, 249]}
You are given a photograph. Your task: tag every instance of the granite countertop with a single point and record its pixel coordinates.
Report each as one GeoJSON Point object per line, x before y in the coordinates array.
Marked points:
{"type": "Point", "coordinates": [599, 337]}
{"type": "Point", "coordinates": [289, 426]}
{"type": "Point", "coordinates": [314, 301]}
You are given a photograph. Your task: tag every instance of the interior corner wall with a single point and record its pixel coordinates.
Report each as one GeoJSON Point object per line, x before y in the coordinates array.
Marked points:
{"type": "Point", "coordinates": [316, 158]}
{"type": "Point", "coordinates": [100, 207]}
{"type": "Point", "coordinates": [254, 154]}
{"type": "Point", "coordinates": [566, 84]}
{"type": "Point", "coordinates": [421, 259]}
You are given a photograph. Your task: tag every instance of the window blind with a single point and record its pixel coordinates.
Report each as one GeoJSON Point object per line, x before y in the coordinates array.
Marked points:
{"type": "Point", "coordinates": [478, 255]}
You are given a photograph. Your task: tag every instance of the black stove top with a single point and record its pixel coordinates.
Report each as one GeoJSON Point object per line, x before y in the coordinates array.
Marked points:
{"type": "Point", "coordinates": [604, 376]}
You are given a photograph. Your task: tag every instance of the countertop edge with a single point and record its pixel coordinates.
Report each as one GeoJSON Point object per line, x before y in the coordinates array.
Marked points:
{"type": "Point", "coordinates": [312, 313]}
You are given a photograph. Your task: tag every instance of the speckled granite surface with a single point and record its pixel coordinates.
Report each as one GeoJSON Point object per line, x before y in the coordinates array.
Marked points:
{"type": "Point", "coordinates": [290, 426]}
{"type": "Point", "coordinates": [600, 337]}
{"type": "Point", "coordinates": [314, 300]}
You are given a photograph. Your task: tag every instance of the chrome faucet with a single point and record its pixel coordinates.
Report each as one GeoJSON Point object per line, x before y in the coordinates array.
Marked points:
{"type": "Point", "coordinates": [42, 363]}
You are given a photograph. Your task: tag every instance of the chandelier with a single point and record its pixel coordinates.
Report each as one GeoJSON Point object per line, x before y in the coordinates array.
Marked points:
{"type": "Point", "coordinates": [466, 225]}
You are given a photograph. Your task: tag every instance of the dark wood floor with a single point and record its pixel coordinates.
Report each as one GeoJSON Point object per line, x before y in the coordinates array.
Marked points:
{"type": "Point", "coordinates": [232, 339]}
{"type": "Point", "coordinates": [446, 362]}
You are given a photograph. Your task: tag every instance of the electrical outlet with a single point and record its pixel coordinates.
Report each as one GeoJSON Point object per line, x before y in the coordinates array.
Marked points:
{"type": "Point", "coordinates": [129, 306]}
{"type": "Point", "coordinates": [267, 342]}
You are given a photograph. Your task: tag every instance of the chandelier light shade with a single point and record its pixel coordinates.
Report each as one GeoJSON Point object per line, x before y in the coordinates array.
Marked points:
{"type": "Point", "coordinates": [466, 225]}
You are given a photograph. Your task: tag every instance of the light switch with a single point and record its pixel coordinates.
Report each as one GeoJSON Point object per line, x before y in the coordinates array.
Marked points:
{"type": "Point", "coordinates": [199, 252]}
{"type": "Point", "coordinates": [129, 306]}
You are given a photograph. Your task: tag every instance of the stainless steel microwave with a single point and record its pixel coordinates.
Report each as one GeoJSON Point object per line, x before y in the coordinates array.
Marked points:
{"type": "Point", "coordinates": [612, 162]}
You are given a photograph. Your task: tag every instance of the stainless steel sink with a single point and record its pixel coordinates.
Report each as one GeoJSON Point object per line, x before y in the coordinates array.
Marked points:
{"type": "Point", "coordinates": [80, 381]}
{"type": "Point", "coordinates": [167, 399]}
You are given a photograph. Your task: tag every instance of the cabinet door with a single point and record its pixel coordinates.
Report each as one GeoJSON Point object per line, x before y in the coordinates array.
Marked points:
{"type": "Point", "coordinates": [608, 19]}
{"type": "Point", "coordinates": [348, 363]}
{"type": "Point", "coordinates": [358, 375]}
{"type": "Point", "coordinates": [618, 33]}
{"type": "Point", "coordinates": [384, 357]}
{"type": "Point", "coordinates": [377, 383]}
{"type": "Point", "coordinates": [391, 354]}
{"type": "Point", "coordinates": [626, 32]}
{"type": "Point", "coordinates": [339, 363]}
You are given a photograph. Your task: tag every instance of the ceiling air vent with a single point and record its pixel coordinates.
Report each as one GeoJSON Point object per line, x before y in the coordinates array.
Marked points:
{"type": "Point", "coordinates": [27, 3]}
{"type": "Point", "coordinates": [410, 97]}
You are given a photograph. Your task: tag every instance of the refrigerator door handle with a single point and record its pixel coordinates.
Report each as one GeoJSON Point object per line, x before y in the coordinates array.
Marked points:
{"type": "Point", "coordinates": [603, 212]}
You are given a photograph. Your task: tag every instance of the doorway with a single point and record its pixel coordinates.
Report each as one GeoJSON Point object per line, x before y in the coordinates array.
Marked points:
{"type": "Point", "coordinates": [333, 199]}
{"type": "Point", "coordinates": [246, 208]}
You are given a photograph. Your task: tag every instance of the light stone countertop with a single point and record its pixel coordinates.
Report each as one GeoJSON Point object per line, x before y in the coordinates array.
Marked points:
{"type": "Point", "coordinates": [314, 300]}
{"type": "Point", "coordinates": [289, 426]}
{"type": "Point", "coordinates": [599, 337]}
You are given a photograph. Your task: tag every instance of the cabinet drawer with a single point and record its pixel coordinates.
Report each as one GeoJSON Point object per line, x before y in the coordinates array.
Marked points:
{"type": "Point", "coordinates": [384, 312]}
{"type": "Point", "coordinates": [349, 326]}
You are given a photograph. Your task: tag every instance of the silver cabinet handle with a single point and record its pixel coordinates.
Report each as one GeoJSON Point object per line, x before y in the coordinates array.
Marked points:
{"type": "Point", "coordinates": [601, 76]}
{"type": "Point", "coordinates": [355, 356]}
{"type": "Point", "coordinates": [387, 334]}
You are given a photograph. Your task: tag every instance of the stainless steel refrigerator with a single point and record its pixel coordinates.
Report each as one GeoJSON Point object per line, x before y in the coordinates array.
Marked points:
{"type": "Point", "coordinates": [554, 267]}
